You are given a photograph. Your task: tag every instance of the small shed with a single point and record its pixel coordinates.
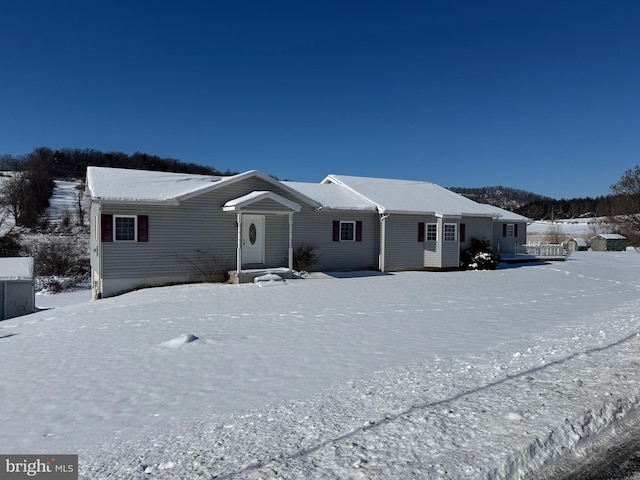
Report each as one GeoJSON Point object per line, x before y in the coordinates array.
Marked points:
{"type": "Point", "coordinates": [17, 287]}
{"type": "Point", "coordinates": [609, 242]}
{"type": "Point", "coordinates": [577, 244]}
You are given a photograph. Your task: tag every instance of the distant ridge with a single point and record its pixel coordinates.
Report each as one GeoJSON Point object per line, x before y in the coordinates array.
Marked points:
{"type": "Point", "coordinates": [503, 197]}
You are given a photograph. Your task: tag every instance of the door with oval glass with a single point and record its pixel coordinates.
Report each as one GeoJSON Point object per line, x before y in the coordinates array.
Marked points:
{"type": "Point", "coordinates": [252, 239]}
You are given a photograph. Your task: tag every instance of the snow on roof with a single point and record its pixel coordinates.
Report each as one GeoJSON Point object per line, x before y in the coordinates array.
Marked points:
{"type": "Point", "coordinates": [611, 236]}
{"type": "Point", "coordinates": [410, 196]}
{"type": "Point", "coordinates": [581, 242]}
{"type": "Point", "coordinates": [120, 184]}
{"type": "Point", "coordinates": [332, 196]}
{"type": "Point", "coordinates": [508, 216]}
{"type": "Point", "coordinates": [17, 268]}
{"type": "Point", "coordinates": [256, 196]}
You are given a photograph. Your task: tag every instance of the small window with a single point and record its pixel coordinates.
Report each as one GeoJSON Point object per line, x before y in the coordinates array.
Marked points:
{"type": "Point", "coordinates": [432, 232]}
{"type": "Point", "coordinates": [347, 231]}
{"type": "Point", "coordinates": [510, 230]}
{"type": "Point", "coordinates": [125, 228]}
{"type": "Point", "coordinates": [450, 232]}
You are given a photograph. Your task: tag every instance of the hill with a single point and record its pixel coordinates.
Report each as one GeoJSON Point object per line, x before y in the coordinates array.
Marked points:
{"type": "Point", "coordinates": [72, 163]}
{"type": "Point", "coordinates": [540, 207]}
{"type": "Point", "coordinates": [503, 197]}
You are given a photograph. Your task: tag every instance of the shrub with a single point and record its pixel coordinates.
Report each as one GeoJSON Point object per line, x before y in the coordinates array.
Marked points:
{"type": "Point", "coordinates": [61, 256]}
{"type": "Point", "coordinates": [9, 245]}
{"type": "Point", "coordinates": [479, 256]}
{"type": "Point", "coordinates": [304, 257]}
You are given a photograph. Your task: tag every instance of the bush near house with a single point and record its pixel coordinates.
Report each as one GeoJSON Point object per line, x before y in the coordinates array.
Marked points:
{"type": "Point", "coordinates": [304, 257]}
{"type": "Point", "coordinates": [479, 256]}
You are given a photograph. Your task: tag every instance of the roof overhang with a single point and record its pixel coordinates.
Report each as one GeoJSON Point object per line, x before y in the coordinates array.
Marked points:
{"type": "Point", "coordinates": [249, 203]}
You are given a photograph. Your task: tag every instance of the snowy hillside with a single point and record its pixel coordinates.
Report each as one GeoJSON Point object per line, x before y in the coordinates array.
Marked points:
{"type": "Point", "coordinates": [479, 374]}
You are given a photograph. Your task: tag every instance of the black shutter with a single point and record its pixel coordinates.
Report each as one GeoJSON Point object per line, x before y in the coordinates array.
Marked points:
{"type": "Point", "coordinates": [358, 231]}
{"type": "Point", "coordinates": [421, 231]}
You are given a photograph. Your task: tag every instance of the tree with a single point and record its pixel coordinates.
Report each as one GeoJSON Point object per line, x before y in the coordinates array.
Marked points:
{"type": "Point", "coordinates": [14, 194]}
{"type": "Point", "coordinates": [626, 205]}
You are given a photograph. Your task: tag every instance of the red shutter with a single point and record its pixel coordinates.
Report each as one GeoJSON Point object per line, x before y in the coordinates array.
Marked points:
{"type": "Point", "coordinates": [106, 227]}
{"type": "Point", "coordinates": [143, 228]}
{"type": "Point", "coordinates": [358, 231]}
{"type": "Point", "coordinates": [515, 230]}
{"type": "Point", "coordinates": [504, 229]}
{"type": "Point", "coordinates": [336, 230]}
{"type": "Point", "coordinates": [421, 231]}
{"type": "Point", "coordinates": [462, 232]}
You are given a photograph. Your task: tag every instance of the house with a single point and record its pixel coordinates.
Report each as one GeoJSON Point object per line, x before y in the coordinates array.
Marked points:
{"type": "Point", "coordinates": [156, 228]}
{"type": "Point", "coordinates": [609, 242]}
{"type": "Point", "coordinates": [17, 286]}
{"type": "Point", "coordinates": [577, 244]}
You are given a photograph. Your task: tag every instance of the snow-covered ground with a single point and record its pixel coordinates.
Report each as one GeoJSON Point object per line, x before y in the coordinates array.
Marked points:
{"type": "Point", "coordinates": [479, 374]}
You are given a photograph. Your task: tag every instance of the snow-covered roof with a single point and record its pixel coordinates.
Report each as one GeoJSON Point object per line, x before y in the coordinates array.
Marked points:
{"type": "Point", "coordinates": [611, 236]}
{"type": "Point", "coordinates": [332, 196]}
{"type": "Point", "coordinates": [257, 196]}
{"type": "Point", "coordinates": [581, 242]}
{"type": "Point", "coordinates": [409, 196]}
{"type": "Point", "coordinates": [128, 185]}
{"type": "Point", "coordinates": [17, 268]}
{"type": "Point", "coordinates": [508, 216]}
{"type": "Point", "coordinates": [120, 184]}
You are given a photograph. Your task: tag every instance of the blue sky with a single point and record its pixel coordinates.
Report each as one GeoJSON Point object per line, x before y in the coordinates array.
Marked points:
{"type": "Point", "coordinates": [538, 95]}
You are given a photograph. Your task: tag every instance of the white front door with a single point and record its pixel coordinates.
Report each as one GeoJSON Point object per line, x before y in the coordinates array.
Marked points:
{"type": "Point", "coordinates": [252, 239]}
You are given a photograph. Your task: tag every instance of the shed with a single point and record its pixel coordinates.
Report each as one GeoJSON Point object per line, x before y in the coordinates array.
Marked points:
{"type": "Point", "coordinates": [17, 287]}
{"type": "Point", "coordinates": [609, 242]}
{"type": "Point", "coordinates": [577, 244]}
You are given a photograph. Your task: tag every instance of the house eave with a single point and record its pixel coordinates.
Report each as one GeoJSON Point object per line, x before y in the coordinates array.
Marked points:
{"type": "Point", "coordinates": [121, 201]}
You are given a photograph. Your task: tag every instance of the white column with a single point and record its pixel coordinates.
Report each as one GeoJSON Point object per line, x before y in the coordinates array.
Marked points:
{"type": "Point", "coordinates": [290, 242]}
{"type": "Point", "coordinates": [239, 250]}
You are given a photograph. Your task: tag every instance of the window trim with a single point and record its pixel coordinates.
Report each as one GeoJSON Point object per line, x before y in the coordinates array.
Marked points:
{"type": "Point", "coordinates": [353, 232]}
{"type": "Point", "coordinates": [135, 228]}
{"type": "Point", "coordinates": [455, 232]}
{"type": "Point", "coordinates": [431, 230]}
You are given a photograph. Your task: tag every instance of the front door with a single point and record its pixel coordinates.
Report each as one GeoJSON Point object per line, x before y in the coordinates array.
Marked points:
{"type": "Point", "coordinates": [252, 239]}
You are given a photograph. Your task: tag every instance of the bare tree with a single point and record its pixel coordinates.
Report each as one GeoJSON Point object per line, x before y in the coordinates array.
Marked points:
{"type": "Point", "coordinates": [14, 192]}
{"type": "Point", "coordinates": [80, 206]}
{"type": "Point", "coordinates": [626, 208]}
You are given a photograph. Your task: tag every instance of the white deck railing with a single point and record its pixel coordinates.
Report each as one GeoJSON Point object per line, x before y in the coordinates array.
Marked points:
{"type": "Point", "coordinates": [555, 250]}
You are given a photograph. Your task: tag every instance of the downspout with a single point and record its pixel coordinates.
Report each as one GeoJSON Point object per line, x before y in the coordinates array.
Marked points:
{"type": "Point", "coordinates": [290, 242]}
{"type": "Point", "coordinates": [239, 250]}
{"type": "Point", "coordinates": [383, 245]}
{"type": "Point", "coordinates": [98, 240]}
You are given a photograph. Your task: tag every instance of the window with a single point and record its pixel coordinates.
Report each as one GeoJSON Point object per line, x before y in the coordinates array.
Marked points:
{"type": "Point", "coordinates": [509, 230]}
{"type": "Point", "coordinates": [450, 232]}
{"type": "Point", "coordinates": [125, 228]}
{"type": "Point", "coordinates": [432, 232]}
{"type": "Point", "coordinates": [347, 231]}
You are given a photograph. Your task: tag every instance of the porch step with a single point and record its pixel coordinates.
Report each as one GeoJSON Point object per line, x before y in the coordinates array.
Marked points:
{"type": "Point", "coordinates": [247, 276]}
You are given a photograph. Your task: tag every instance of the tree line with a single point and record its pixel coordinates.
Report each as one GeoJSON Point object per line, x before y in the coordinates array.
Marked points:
{"type": "Point", "coordinates": [26, 190]}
